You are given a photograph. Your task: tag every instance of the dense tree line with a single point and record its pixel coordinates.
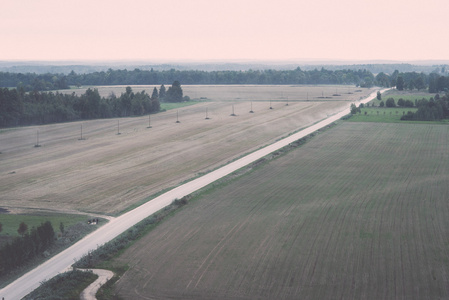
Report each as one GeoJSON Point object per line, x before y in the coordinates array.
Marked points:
{"type": "Point", "coordinates": [19, 108]}
{"type": "Point", "coordinates": [24, 248]}
{"type": "Point", "coordinates": [430, 110]}
{"type": "Point", "coordinates": [31, 81]}
{"type": "Point", "coordinates": [401, 80]}
{"type": "Point", "coordinates": [414, 81]}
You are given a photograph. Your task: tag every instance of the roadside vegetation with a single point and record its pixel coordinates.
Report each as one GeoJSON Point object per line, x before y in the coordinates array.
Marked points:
{"type": "Point", "coordinates": [68, 285]}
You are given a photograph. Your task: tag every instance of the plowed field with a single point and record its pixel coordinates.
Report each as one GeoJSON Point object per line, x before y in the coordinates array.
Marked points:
{"type": "Point", "coordinates": [359, 212]}
{"type": "Point", "coordinates": [106, 172]}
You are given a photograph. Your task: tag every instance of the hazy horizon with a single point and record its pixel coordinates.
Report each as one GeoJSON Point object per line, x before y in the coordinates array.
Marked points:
{"type": "Point", "coordinates": [216, 31]}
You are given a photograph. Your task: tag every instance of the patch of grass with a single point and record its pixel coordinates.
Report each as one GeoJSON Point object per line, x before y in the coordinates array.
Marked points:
{"type": "Point", "coordinates": [68, 285]}
{"type": "Point", "coordinates": [388, 115]}
{"type": "Point", "coordinates": [168, 106]}
{"type": "Point", "coordinates": [381, 114]}
{"type": "Point", "coordinates": [11, 222]}
{"type": "Point", "coordinates": [406, 95]}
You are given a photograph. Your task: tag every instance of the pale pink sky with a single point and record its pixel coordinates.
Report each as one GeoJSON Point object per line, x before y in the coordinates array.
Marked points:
{"type": "Point", "coordinates": [225, 29]}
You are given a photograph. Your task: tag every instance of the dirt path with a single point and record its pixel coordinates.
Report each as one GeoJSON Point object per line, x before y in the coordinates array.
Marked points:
{"type": "Point", "coordinates": [92, 289]}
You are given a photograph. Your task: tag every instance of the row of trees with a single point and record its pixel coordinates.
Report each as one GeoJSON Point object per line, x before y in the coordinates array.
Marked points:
{"type": "Point", "coordinates": [19, 108]}
{"type": "Point", "coordinates": [430, 110]}
{"type": "Point", "coordinates": [31, 81]}
{"type": "Point", "coordinates": [24, 248]}
{"type": "Point", "coordinates": [401, 103]}
{"type": "Point", "coordinates": [412, 80]}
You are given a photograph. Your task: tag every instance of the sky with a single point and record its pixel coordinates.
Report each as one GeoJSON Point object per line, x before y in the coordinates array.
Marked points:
{"type": "Point", "coordinates": [204, 30]}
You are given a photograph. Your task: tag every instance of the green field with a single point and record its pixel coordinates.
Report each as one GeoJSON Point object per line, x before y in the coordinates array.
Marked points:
{"type": "Point", "coordinates": [381, 114]}
{"type": "Point", "coordinates": [168, 106]}
{"type": "Point", "coordinates": [10, 223]}
{"type": "Point", "coordinates": [359, 212]}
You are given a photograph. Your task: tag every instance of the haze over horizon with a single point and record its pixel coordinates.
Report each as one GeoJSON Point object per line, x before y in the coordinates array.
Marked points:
{"type": "Point", "coordinates": [205, 30]}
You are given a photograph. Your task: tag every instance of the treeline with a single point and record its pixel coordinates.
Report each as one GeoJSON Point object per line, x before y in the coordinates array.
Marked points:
{"type": "Point", "coordinates": [18, 108]}
{"type": "Point", "coordinates": [34, 82]}
{"type": "Point", "coordinates": [31, 81]}
{"type": "Point", "coordinates": [434, 109]}
{"type": "Point", "coordinates": [414, 81]}
{"type": "Point", "coordinates": [29, 245]}
{"type": "Point", "coordinates": [434, 82]}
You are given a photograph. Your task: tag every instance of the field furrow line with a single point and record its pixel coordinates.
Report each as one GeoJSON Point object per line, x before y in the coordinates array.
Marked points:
{"type": "Point", "coordinates": [221, 244]}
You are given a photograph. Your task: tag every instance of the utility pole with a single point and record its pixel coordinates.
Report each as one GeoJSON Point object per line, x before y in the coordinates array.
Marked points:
{"type": "Point", "coordinates": [233, 114]}
{"type": "Point", "coordinates": [81, 137]}
{"type": "Point", "coordinates": [149, 122]}
{"type": "Point", "coordinates": [37, 139]}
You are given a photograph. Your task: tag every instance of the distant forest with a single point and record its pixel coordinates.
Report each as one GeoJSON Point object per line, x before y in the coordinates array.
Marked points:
{"type": "Point", "coordinates": [45, 82]}
{"type": "Point", "coordinates": [434, 82]}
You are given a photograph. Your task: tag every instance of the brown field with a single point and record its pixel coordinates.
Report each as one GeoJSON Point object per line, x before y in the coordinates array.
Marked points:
{"type": "Point", "coordinates": [107, 173]}
{"type": "Point", "coordinates": [359, 212]}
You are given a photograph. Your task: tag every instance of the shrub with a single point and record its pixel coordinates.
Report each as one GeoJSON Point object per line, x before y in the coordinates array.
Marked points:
{"type": "Point", "coordinates": [390, 103]}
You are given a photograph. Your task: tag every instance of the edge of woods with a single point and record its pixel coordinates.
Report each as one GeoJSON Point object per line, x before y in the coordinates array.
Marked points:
{"type": "Point", "coordinates": [102, 257]}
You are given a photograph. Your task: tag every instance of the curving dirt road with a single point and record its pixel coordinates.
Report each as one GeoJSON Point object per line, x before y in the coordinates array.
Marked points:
{"type": "Point", "coordinates": [61, 262]}
{"type": "Point", "coordinates": [92, 289]}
